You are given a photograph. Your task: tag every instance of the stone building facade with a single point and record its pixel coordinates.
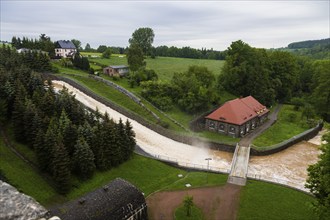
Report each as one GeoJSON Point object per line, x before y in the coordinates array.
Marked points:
{"type": "Point", "coordinates": [237, 117]}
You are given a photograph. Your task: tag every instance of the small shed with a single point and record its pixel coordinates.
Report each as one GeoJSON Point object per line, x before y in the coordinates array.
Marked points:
{"type": "Point", "coordinates": [121, 70]}
{"type": "Point", "coordinates": [117, 200]}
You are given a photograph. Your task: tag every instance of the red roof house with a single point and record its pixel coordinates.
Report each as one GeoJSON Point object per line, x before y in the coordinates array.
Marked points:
{"type": "Point", "coordinates": [237, 117]}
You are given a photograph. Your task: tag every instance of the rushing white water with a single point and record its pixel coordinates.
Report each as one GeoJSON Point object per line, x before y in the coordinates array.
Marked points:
{"type": "Point", "coordinates": [152, 142]}
{"type": "Point", "coordinates": [288, 166]}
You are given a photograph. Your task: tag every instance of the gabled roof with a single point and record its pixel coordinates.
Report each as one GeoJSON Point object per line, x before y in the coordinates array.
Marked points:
{"type": "Point", "coordinates": [238, 111]}
{"type": "Point", "coordinates": [65, 44]}
{"type": "Point", "coordinates": [115, 200]}
{"type": "Point", "coordinates": [119, 67]}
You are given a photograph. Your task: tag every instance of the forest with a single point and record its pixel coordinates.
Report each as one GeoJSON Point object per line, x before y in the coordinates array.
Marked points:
{"type": "Point", "coordinates": [67, 138]}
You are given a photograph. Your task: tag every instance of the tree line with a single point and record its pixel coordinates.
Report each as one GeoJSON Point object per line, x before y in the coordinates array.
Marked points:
{"type": "Point", "coordinates": [67, 138]}
{"type": "Point", "coordinates": [277, 76]}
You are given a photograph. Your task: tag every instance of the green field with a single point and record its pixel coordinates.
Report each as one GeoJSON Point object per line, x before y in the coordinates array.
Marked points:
{"type": "Point", "coordinates": [165, 67]}
{"type": "Point", "coordinates": [261, 201]}
{"type": "Point", "coordinates": [288, 124]}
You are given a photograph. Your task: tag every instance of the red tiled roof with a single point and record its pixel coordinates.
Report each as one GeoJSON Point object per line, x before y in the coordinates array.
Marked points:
{"type": "Point", "coordinates": [238, 111]}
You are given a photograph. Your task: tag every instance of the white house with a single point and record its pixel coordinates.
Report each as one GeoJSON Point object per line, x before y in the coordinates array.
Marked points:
{"type": "Point", "coordinates": [65, 48]}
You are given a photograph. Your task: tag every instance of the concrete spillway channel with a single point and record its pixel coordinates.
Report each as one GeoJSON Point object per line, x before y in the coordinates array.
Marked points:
{"type": "Point", "coordinates": [239, 166]}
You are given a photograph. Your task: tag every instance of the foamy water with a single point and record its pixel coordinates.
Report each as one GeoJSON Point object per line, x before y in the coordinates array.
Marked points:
{"type": "Point", "coordinates": [288, 166]}
{"type": "Point", "coordinates": [154, 143]}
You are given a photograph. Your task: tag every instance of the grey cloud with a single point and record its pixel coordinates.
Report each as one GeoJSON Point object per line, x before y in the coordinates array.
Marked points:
{"type": "Point", "coordinates": [184, 23]}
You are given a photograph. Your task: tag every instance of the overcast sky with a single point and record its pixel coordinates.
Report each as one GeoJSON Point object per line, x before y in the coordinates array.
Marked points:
{"type": "Point", "coordinates": [210, 24]}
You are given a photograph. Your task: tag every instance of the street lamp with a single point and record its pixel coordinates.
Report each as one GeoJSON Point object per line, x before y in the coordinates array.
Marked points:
{"type": "Point", "coordinates": [208, 163]}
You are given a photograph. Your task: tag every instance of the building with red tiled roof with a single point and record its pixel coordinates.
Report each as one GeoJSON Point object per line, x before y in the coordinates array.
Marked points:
{"type": "Point", "coordinates": [237, 117]}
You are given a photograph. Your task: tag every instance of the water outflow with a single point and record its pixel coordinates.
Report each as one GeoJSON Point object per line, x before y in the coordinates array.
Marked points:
{"type": "Point", "coordinates": [289, 165]}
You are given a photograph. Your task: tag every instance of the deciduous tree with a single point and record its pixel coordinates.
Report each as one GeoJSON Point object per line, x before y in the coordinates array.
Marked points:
{"type": "Point", "coordinates": [143, 37]}
{"type": "Point", "coordinates": [319, 181]}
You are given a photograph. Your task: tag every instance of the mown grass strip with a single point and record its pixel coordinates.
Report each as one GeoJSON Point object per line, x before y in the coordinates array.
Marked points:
{"type": "Point", "coordinates": [260, 200]}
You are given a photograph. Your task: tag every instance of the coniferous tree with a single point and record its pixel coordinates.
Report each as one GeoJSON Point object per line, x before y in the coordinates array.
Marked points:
{"type": "Point", "coordinates": [42, 150]}
{"type": "Point", "coordinates": [87, 132]}
{"type": "Point", "coordinates": [97, 147]}
{"type": "Point", "coordinates": [61, 167]}
{"type": "Point", "coordinates": [28, 116]}
{"type": "Point", "coordinates": [131, 143]}
{"type": "Point", "coordinates": [18, 112]}
{"type": "Point", "coordinates": [83, 159]}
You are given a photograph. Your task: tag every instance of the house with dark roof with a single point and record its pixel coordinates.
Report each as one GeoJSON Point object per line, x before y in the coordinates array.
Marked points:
{"type": "Point", "coordinates": [64, 48]}
{"type": "Point", "coordinates": [120, 70]}
{"type": "Point", "coordinates": [117, 200]}
{"type": "Point", "coordinates": [237, 117]}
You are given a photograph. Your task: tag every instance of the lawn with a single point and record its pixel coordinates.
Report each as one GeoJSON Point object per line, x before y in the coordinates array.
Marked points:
{"type": "Point", "coordinates": [261, 200]}
{"type": "Point", "coordinates": [289, 124]}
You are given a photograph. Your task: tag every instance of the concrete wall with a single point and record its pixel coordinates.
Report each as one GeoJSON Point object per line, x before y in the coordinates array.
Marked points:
{"type": "Point", "coordinates": [267, 150]}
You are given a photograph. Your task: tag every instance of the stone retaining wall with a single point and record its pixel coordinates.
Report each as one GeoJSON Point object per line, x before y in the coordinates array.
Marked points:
{"type": "Point", "coordinates": [306, 135]}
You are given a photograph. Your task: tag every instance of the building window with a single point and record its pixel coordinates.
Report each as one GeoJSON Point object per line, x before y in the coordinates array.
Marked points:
{"type": "Point", "coordinates": [221, 127]}
{"type": "Point", "coordinates": [212, 125]}
{"type": "Point", "coordinates": [232, 129]}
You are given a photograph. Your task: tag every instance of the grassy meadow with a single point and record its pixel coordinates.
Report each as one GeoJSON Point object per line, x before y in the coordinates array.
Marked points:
{"type": "Point", "coordinates": [165, 67]}
{"type": "Point", "coordinates": [289, 123]}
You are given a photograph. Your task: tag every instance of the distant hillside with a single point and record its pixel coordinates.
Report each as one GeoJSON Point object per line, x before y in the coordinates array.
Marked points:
{"type": "Point", "coordinates": [315, 49]}
{"type": "Point", "coordinates": [309, 44]}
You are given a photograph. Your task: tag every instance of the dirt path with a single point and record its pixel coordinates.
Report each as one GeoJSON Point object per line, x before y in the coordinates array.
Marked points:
{"type": "Point", "coordinates": [217, 203]}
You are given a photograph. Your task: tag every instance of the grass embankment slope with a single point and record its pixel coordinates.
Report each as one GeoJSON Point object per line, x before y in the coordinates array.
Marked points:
{"type": "Point", "coordinates": [289, 123]}
{"type": "Point", "coordinates": [122, 100]}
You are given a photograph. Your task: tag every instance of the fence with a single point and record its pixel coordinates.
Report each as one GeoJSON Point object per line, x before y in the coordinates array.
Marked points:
{"type": "Point", "coordinates": [306, 135]}
{"type": "Point", "coordinates": [283, 182]}
{"type": "Point", "coordinates": [137, 100]}
{"type": "Point", "coordinates": [185, 164]}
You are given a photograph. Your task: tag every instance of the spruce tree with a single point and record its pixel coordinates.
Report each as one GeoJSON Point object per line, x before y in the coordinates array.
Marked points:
{"type": "Point", "coordinates": [18, 112]}
{"type": "Point", "coordinates": [61, 167]}
{"type": "Point", "coordinates": [83, 159]}
{"type": "Point", "coordinates": [42, 150]}
{"type": "Point", "coordinates": [131, 143]}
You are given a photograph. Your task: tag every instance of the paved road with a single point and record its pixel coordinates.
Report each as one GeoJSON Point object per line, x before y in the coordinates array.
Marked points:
{"type": "Point", "coordinates": [247, 140]}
